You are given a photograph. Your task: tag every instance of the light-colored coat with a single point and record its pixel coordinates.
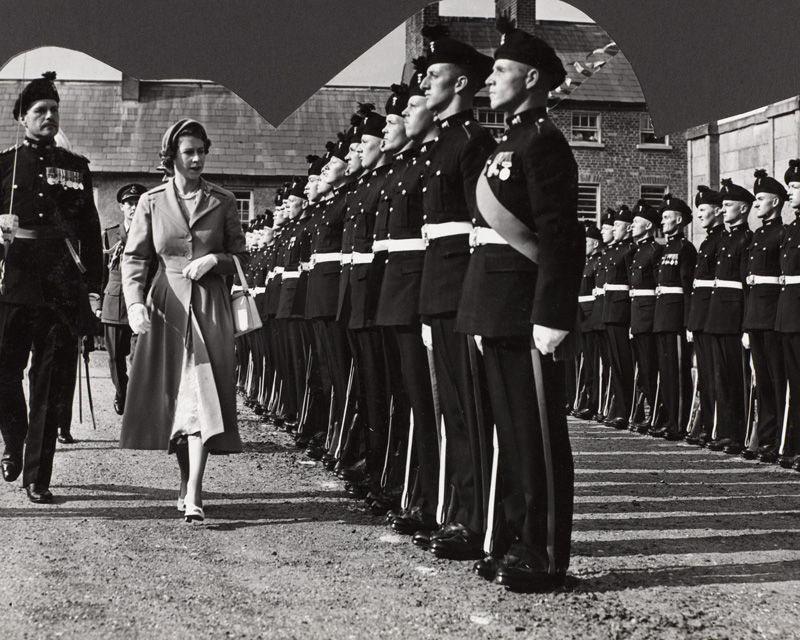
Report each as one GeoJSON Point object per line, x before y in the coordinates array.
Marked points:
{"type": "Point", "coordinates": [180, 308]}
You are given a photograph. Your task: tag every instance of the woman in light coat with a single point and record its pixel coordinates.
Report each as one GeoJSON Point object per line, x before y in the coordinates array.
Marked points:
{"type": "Point", "coordinates": [182, 394]}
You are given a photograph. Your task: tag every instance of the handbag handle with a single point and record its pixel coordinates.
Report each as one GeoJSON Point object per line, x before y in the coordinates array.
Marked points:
{"type": "Point", "coordinates": [242, 279]}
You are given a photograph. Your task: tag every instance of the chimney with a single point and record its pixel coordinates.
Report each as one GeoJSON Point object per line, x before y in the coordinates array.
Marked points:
{"type": "Point", "coordinates": [523, 11]}
{"type": "Point", "coordinates": [428, 16]}
{"type": "Point", "coordinates": [130, 88]}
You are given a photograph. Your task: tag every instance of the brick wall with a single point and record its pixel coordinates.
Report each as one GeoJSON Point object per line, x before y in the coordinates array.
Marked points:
{"type": "Point", "coordinates": [618, 165]}
{"type": "Point", "coordinates": [523, 11]}
{"type": "Point", "coordinates": [415, 45]}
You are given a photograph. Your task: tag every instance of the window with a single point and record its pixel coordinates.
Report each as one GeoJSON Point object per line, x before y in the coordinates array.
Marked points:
{"type": "Point", "coordinates": [493, 121]}
{"type": "Point", "coordinates": [647, 136]}
{"type": "Point", "coordinates": [589, 202]}
{"type": "Point", "coordinates": [653, 194]}
{"type": "Point", "coordinates": [244, 203]}
{"type": "Point", "coordinates": [586, 127]}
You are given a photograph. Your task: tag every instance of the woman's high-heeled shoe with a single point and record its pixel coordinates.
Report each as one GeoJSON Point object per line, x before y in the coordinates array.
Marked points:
{"type": "Point", "coordinates": [181, 504]}
{"type": "Point", "coordinates": [194, 514]}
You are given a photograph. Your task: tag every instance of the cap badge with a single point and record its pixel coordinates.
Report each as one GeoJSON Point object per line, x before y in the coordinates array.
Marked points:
{"type": "Point", "coordinates": [431, 46]}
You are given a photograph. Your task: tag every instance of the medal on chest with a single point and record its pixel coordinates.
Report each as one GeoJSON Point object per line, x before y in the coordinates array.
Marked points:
{"type": "Point", "coordinates": [501, 165]}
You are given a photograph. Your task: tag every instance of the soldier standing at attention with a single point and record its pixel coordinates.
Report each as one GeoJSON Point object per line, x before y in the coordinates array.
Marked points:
{"type": "Point", "coordinates": [617, 316]}
{"type": "Point", "coordinates": [598, 326]}
{"type": "Point", "coordinates": [642, 275]}
{"type": "Point", "coordinates": [673, 297]}
{"type": "Point", "coordinates": [119, 338]}
{"type": "Point", "coordinates": [787, 321]}
{"type": "Point", "coordinates": [52, 263]}
{"type": "Point", "coordinates": [526, 270]}
{"type": "Point", "coordinates": [588, 396]}
{"type": "Point", "coordinates": [724, 322]}
{"type": "Point", "coordinates": [456, 72]}
{"type": "Point", "coordinates": [709, 215]}
{"type": "Point", "coordinates": [761, 307]}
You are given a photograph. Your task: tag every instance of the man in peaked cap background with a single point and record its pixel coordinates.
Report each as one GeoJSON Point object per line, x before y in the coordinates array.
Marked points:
{"type": "Point", "coordinates": [527, 225]}
{"type": "Point", "coordinates": [119, 338]}
{"type": "Point", "coordinates": [53, 264]}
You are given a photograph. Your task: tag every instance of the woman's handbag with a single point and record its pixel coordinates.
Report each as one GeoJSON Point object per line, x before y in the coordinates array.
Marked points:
{"type": "Point", "coordinates": [243, 306]}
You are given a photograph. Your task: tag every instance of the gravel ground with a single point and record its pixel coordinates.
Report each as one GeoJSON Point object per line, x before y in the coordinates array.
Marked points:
{"type": "Point", "coordinates": [670, 541]}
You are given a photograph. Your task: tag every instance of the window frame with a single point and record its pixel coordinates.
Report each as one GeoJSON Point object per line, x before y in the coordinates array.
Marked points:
{"type": "Point", "coordinates": [644, 119]}
{"type": "Point", "coordinates": [584, 217]}
{"type": "Point", "coordinates": [598, 143]}
{"type": "Point", "coordinates": [249, 200]}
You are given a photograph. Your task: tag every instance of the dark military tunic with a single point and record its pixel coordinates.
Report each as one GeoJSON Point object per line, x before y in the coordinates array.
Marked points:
{"type": "Point", "coordinates": [45, 306]}
{"type": "Point", "coordinates": [724, 324]}
{"type": "Point", "coordinates": [587, 397]}
{"type": "Point", "coordinates": [675, 273]}
{"type": "Point", "coordinates": [533, 174]}
{"type": "Point", "coordinates": [323, 282]}
{"type": "Point", "coordinates": [787, 322]}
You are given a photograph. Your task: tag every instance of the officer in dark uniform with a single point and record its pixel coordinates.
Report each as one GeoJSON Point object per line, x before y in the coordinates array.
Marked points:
{"type": "Point", "coordinates": [119, 338]}
{"type": "Point", "coordinates": [617, 316]}
{"type": "Point", "coordinates": [642, 278]}
{"type": "Point", "coordinates": [724, 322]}
{"type": "Point", "coordinates": [526, 269]}
{"type": "Point", "coordinates": [709, 214]}
{"type": "Point", "coordinates": [787, 321]}
{"type": "Point", "coordinates": [604, 408]}
{"type": "Point", "coordinates": [51, 266]}
{"type": "Point", "coordinates": [761, 306]}
{"type": "Point", "coordinates": [456, 72]}
{"type": "Point", "coordinates": [588, 397]}
{"type": "Point", "coordinates": [673, 297]}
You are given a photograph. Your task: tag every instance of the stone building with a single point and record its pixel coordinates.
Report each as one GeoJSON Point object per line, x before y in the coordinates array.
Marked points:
{"type": "Point", "coordinates": [735, 147]}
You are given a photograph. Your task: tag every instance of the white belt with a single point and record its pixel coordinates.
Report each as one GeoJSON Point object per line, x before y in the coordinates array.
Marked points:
{"type": "Point", "coordinates": [318, 258]}
{"type": "Point", "coordinates": [586, 298]}
{"type": "Point", "coordinates": [279, 270]}
{"type": "Point", "coordinates": [259, 290]}
{"type": "Point", "coordinates": [598, 291]}
{"type": "Point", "coordinates": [305, 266]}
{"type": "Point", "coordinates": [444, 229]}
{"type": "Point", "coordinates": [379, 245]}
{"type": "Point", "coordinates": [727, 284]}
{"type": "Point", "coordinates": [346, 258]}
{"type": "Point", "coordinates": [405, 244]}
{"type": "Point", "coordinates": [753, 279]}
{"type": "Point", "coordinates": [288, 275]}
{"type": "Point", "coordinates": [480, 236]}
{"type": "Point", "coordinates": [616, 287]}
{"type": "Point", "coordinates": [660, 291]}
{"type": "Point", "coordinates": [638, 293]}
{"type": "Point", "coordinates": [270, 275]}
{"type": "Point", "coordinates": [790, 280]}
{"type": "Point", "coordinates": [703, 284]}
{"type": "Point", "coordinates": [361, 258]}
{"type": "Point", "coordinates": [236, 288]}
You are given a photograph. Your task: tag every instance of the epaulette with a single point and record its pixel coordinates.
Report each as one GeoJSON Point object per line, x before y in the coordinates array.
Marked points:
{"type": "Point", "coordinates": [157, 189]}
{"type": "Point", "coordinates": [221, 191]}
{"type": "Point", "coordinates": [72, 153]}
{"type": "Point", "coordinates": [113, 226]}
{"type": "Point", "coordinates": [13, 147]}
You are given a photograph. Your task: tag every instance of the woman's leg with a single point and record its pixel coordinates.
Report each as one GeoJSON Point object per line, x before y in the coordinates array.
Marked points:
{"type": "Point", "coordinates": [182, 453]}
{"type": "Point", "coordinates": [198, 455]}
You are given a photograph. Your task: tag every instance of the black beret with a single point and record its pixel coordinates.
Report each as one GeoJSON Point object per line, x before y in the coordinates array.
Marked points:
{"type": "Point", "coordinates": [523, 47]}
{"type": "Point", "coordinates": [420, 68]}
{"type": "Point", "coordinates": [793, 172]}
{"type": "Point", "coordinates": [673, 203]}
{"type": "Point", "coordinates": [315, 164]}
{"type": "Point", "coordinates": [373, 125]}
{"type": "Point", "coordinates": [43, 88]}
{"type": "Point", "coordinates": [130, 191]}
{"type": "Point", "coordinates": [766, 184]}
{"type": "Point", "coordinates": [706, 195]}
{"type": "Point", "coordinates": [608, 217]}
{"type": "Point", "coordinates": [297, 188]}
{"type": "Point", "coordinates": [342, 147]}
{"type": "Point", "coordinates": [731, 191]}
{"type": "Point", "coordinates": [643, 209]}
{"type": "Point", "coordinates": [444, 49]}
{"type": "Point", "coordinates": [623, 215]}
{"type": "Point", "coordinates": [398, 101]}
{"type": "Point", "coordinates": [594, 233]}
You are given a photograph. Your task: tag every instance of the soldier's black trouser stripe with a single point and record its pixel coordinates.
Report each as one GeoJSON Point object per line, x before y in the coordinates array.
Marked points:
{"type": "Point", "coordinates": [728, 385]}
{"type": "Point", "coordinates": [766, 348]}
{"type": "Point", "coordinates": [621, 356]}
{"type": "Point", "coordinates": [675, 368]}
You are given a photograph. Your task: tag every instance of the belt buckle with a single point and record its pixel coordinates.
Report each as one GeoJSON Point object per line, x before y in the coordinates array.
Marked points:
{"type": "Point", "coordinates": [782, 280]}
{"type": "Point", "coordinates": [473, 237]}
{"type": "Point", "coordinates": [658, 291]}
{"type": "Point", "coordinates": [715, 283]}
{"type": "Point", "coordinates": [425, 238]}
{"type": "Point", "coordinates": [751, 279]}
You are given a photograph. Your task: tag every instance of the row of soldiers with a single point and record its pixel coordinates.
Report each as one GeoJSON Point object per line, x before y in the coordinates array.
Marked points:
{"type": "Point", "coordinates": [413, 288]}
{"type": "Point", "coordinates": [736, 301]}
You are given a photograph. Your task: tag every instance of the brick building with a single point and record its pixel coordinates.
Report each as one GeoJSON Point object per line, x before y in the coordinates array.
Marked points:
{"type": "Point", "coordinates": [606, 119]}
